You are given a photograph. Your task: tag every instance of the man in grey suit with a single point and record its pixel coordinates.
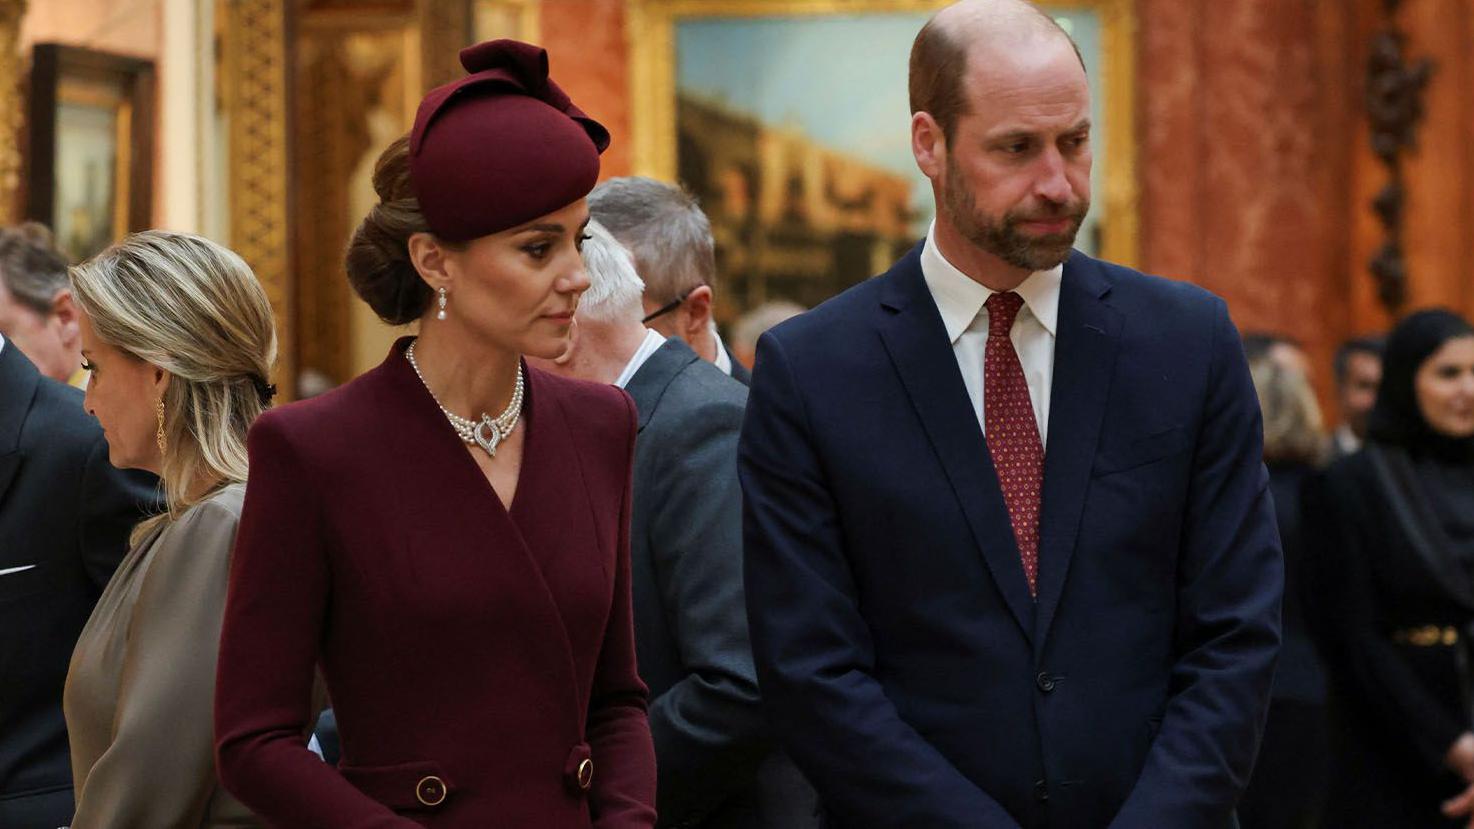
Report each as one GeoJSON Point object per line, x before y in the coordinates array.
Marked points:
{"type": "Point", "coordinates": [717, 764]}
{"type": "Point", "coordinates": [663, 227]}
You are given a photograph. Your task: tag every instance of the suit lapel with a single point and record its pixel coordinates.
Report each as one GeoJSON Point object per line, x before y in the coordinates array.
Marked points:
{"type": "Point", "coordinates": [18, 382]}
{"type": "Point", "coordinates": [916, 340]}
{"type": "Point", "coordinates": [9, 465]}
{"type": "Point", "coordinates": [1087, 337]}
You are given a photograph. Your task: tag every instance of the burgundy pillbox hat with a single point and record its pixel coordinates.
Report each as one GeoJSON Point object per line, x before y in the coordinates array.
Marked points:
{"type": "Point", "coordinates": [501, 146]}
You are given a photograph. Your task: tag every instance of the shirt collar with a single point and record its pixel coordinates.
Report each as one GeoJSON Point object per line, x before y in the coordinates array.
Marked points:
{"type": "Point", "coordinates": [651, 344]}
{"type": "Point", "coordinates": [960, 298]}
{"type": "Point", "coordinates": [723, 360]}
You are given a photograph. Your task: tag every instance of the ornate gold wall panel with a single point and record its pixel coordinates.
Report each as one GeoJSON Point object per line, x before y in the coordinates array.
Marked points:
{"type": "Point", "coordinates": [517, 19]}
{"type": "Point", "coordinates": [322, 83]}
{"type": "Point", "coordinates": [254, 89]}
{"type": "Point", "coordinates": [446, 28]}
{"type": "Point", "coordinates": [12, 108]}
{"type": "Point", "coordinates": [360, 69]}
{"type": "Point", "coordinates": [352, 97]}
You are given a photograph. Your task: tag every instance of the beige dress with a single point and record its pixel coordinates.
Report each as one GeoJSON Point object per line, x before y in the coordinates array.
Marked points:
{"type": "Point", "coordinates": [141, 686]}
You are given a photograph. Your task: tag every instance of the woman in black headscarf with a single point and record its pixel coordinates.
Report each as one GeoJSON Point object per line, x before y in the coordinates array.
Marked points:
{"type": "Point", "coordinates": [1391, 589]}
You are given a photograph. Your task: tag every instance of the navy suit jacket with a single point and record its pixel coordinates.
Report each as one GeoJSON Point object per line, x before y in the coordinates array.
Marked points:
{"type": "Point", "coordinates": [65, 515]}
{"type": "Point", "coordinates": [903, 662]}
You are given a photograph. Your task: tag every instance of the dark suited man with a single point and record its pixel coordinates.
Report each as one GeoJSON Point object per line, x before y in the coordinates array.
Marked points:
{"type": "Point", "coordinates": [1358, 371]}
{"type": "Point", "coordinates": [65, 514]}
{"type": "Point", "coordinates": [717, 765]}
{"type": "Point", "coordinates": [1010, 556]}
{"type": "Point", "coordinates": [670, 238]}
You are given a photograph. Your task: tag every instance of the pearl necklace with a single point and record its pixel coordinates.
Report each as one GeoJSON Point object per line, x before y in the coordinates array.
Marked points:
{"type": "Point", "coordinates": [488, 432]}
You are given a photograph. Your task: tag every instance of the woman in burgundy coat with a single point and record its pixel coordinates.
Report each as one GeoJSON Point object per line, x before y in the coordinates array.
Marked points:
{"type": "Point", "coordinates": [446, 537]}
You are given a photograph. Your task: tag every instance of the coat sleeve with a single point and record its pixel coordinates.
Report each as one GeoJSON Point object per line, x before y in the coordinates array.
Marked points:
{"type": "Point", "coordinates": [274, 618]}
{"type": "Point", "coordinates": [1349, 625]}
{"type": "Point", "coordinates": [159, 767]}
{"type": "Point", "coordinates": [708, 727]}
{"type": "Point", "coordinates": [813, 650]}
{"type": "Point", "coordinates": [623, 790]}
{"type": "Point", "coordinates": [1230, 582]}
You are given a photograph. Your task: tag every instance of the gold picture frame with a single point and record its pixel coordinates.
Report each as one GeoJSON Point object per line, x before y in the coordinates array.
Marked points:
{"type": "Point", "coordinates": [91, 138]}
{"type": "Point", "coordinates": [652, 32]}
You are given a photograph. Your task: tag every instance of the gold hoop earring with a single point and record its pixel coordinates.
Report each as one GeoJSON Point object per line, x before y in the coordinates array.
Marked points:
{"type": "Point", "coordinates": [159, 436]}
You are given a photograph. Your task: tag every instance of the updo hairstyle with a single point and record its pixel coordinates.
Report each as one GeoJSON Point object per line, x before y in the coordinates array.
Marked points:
{"type": "Point", "coordinates": [377, 261]}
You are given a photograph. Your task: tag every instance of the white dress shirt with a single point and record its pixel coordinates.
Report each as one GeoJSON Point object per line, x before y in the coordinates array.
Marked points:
{"type": "Point", "coordinates": [960, 300]}
{"type": "Point", "coordinates": [651, 344]}
{"type": "Point", "coordinates": [723, 360]}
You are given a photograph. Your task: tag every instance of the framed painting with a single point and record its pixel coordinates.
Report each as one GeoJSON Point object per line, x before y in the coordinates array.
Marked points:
{"type": "Point", "coordinates": [91, 146]}
{"type": "Point", "coordinates": [789, 120]}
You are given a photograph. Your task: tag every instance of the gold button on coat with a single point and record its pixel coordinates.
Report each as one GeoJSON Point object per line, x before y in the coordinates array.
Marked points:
{"type": "Point", "coordinates": [430, 790]}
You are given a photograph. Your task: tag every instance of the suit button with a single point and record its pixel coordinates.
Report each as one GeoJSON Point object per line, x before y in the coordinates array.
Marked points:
{"type": "Point", "coordinates": [585, 774]}
{"type": "Point", "coordinates": [1045, 682]}
{"type": "Point", "coordinates": [1041, 791]}
{"type": "Point", "coordinates": [430, 790]}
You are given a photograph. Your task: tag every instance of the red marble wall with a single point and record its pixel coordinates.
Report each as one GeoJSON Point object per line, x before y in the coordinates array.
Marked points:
{"type": "Point", "coordinates": [1439, 231]}
{"type": "Point", "coordinates": [1246, 127]}
{"type": "Point", "coordinates": [1256, 168]}
{"type": "Point", "coordinates": [588, 54]}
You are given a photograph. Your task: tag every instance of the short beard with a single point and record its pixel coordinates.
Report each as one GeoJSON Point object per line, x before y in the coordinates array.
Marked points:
{"type": "Point", "coordinates": [1001, 237]}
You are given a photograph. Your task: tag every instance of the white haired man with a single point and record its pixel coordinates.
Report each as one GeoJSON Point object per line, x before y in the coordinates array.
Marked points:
{"type": "Point", "coordinates": [669, 236]}
{"type": "Point", "coordinates": [717, 763]}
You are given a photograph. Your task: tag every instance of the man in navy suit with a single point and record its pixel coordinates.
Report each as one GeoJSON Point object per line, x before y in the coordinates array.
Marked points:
{"type": "Point", "coordinates": [65, 515]}
{"type": "Point", "coordinates": [1010, 556]}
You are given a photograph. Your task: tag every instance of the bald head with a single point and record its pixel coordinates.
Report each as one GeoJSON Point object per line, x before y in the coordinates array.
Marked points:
{"type": "Point", "coordinates": [971, 29]}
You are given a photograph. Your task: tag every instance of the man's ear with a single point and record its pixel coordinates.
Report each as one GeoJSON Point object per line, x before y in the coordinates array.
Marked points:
{"type": "Point", "coordinates": [697, 309]}
{"type": "Point", "coordinates": [429, 258]}
{"type": "Point", "coordinates": [928, 144]}
{"type": "Point", "coordinates": [64, 308]}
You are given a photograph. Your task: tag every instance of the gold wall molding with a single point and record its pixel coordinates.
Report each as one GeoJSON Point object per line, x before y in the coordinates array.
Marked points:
{"type": "Point", "coordinates": [517, 19]}
{"type": "Point", "coordinates": [323, 86]}
{"type": "Point", "coordinates": [446, 27]}
{"type": "Point", "coordinates": [652, 44]}
{"type": "Point", "coordinates": [254, 88]}
{"type": "Point", "coordinates": [360, 68]}
{"type": "Point", "coordinates": [12, 109]}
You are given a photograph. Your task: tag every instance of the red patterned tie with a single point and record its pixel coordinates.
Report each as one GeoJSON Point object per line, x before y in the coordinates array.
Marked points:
{"type": "Point", "coordinates": [1012, 432]}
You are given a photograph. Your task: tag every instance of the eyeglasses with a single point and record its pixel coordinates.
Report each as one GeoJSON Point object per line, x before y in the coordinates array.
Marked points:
{"type": "Point", "coordinates": [669, 306]}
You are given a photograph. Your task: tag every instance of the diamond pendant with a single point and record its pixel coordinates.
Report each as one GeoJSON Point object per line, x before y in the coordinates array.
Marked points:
{"type": "Point", "coordinates": [491, 439]}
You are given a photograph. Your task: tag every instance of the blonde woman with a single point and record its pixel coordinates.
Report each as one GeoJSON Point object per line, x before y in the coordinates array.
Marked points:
{"type": "Point", "coordinates": [1289, 782]}
{"type": "Point", "coordinates": [178, 337]}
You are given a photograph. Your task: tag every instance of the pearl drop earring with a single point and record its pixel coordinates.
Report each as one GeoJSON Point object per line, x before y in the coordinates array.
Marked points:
{"type": "Point", "coordinates": [440, 315]}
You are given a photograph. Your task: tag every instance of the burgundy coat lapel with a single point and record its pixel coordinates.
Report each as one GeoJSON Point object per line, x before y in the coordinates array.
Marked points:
{"type": "Point", "coordinates": [554, 511]}
{"type": "Point", "coordinates": [476, 526]}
